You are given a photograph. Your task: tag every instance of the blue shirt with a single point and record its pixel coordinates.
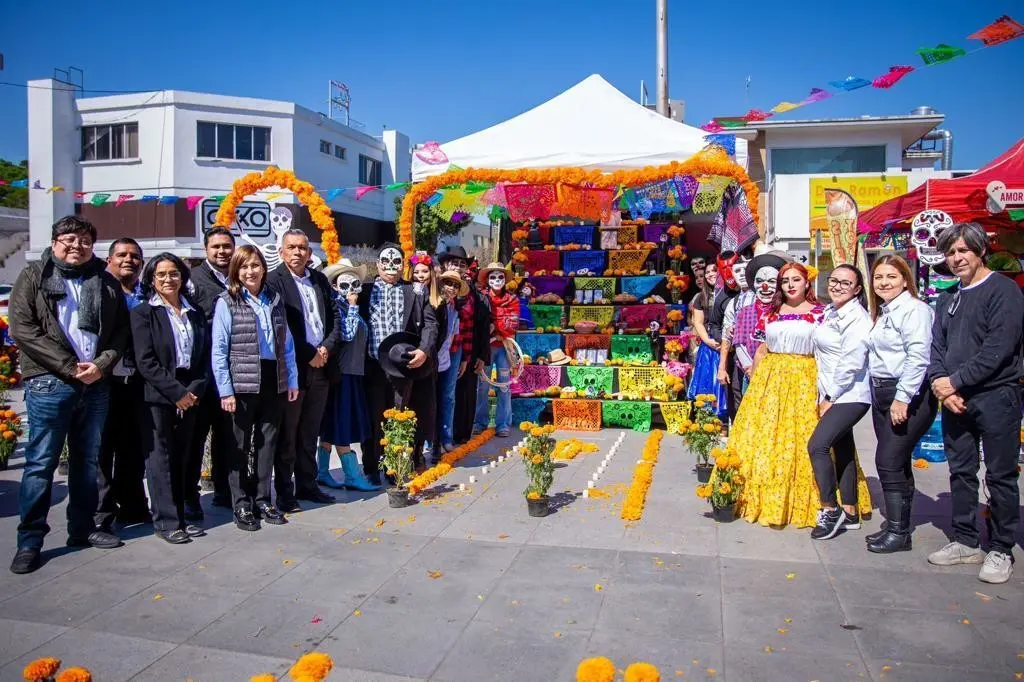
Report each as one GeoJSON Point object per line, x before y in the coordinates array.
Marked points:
{"type": "Point", "coordinates": [264, 334]}
{"type": "Point", "coordinates": [134, 297]}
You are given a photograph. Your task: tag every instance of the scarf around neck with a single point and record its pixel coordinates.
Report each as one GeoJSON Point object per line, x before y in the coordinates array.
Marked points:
{"type": "Point", "coordinates": [55, 272]}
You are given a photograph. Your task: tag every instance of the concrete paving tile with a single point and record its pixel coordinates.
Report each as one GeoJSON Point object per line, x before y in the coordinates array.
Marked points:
{"type": "Point", "coordinates": [985, 603]}
{"type": "Point", "coordinates": [560, 601]}
{"type": "Point", "coordinates": [804, 627]}
{"type": "Point", "coordinates": [57, 560]}
{"type": "Point", "coordinates": [21, 636]}
{"type": "Point", "coordinates": [901, 671]}
{"type": "Point", "coordinates": [458, 558]}
{"type": "Point", "coordinates": [334, 581]}
{"type": "Point", "coordinates": [879, 587]}
{"type": "Point", "coordinates": [849, 549]}
{"type": "Point", "coordinates": [752, 541]}
{"type": "Point", "coordinates": [653, 610]}
{"type": "Point", "coordinates": [777, 579]}
{"type": "Point", "coordinates": [1005, 644]}
{"type": "Point", "coordinates": [167, 615]}
{"type": "Point", "coordinates": [696, 538]}
{"type": "Point", "coordinates": [683, 571]}
{"type": "Point", "coordinates": [747, 664]}
{"type": "Point", "coordinates": [109, 657]}
{"type": "Point", "coordinates": [242, 568]}
{"type": "Point", "coordinates": [378, 548]}
{"type": "Point", "coordinates": [212, 665]}
{"type": "Point", "coordinates": [486, 651]}
{"type": "Point", "coordinates": [671, 654]}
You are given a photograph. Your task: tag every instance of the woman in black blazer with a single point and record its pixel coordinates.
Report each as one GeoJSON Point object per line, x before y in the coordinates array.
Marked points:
{"type": "Point", "coordinates": [172, 356]}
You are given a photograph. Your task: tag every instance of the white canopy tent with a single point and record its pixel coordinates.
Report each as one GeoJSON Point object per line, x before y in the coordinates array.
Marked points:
{"type": "Point", "coordinates": [590, 125]}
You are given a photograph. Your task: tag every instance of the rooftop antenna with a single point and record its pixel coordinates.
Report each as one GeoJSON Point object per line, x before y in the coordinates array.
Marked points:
{"type": "Point", "coordinates": [746, 94]}
{"type": "Point", "coordinates": [339, 99]}
{"type": "Point", "coordinates": [72, 76]}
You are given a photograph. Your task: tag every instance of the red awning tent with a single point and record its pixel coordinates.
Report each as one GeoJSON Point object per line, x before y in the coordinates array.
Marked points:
{"type": "Point", "coordinates": [964, 199]}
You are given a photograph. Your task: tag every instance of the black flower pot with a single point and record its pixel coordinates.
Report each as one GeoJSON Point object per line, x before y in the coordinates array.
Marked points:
{"type": "Point", "coordinates": [724, 514]}
{"type": "Point", "coordinates": [398, 497]}
{"type": "Point", "coordinates": [538, 507]}
{"type": "Point", "coordinates": [704, 472]}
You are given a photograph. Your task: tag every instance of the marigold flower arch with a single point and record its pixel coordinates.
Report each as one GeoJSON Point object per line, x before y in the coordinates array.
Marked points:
{"type": "Point", "coordinates": [711, 161]}
{"type": "Point", "coordinates": [307, 196]}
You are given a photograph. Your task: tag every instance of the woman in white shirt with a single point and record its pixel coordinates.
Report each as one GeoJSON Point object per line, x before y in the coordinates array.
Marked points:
{"type": "Point", "coordinates": [902, 407]}
{"type": "Point", "coordinates": [844, 396]}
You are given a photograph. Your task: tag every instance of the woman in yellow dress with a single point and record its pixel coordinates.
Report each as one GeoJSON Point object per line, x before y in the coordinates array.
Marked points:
{"type": "Point", "coordinates": [780, 410]}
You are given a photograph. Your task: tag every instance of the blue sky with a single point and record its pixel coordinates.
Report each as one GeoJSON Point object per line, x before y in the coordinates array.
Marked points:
{"type": "Point", "coordinates": [439, 70]}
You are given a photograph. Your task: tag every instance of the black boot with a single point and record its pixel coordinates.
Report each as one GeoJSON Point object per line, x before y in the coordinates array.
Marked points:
{"type": "Point", "coordinates": [874, 537]}
{"type": "Point", "coordinates": [897, 537]}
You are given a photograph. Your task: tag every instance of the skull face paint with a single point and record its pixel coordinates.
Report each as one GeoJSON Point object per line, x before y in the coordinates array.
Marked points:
{"type": "Point", "coordinates": [496, 280]}
{"type": "Point", "coordinates": [766, 281]}
{"type": "Point", "coordinates": [280, 220]}
{"type": "Point", "coordinates": [389, 262]}
{"type": "Point", "coordinates": [924, 234]}
{"type": "Point", "coordinates": [347, 283]}
{"type": "Point", "coordinates": [739, 272]}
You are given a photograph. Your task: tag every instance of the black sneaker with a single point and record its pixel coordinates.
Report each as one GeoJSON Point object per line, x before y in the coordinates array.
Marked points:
{"type": "Point", "coordinates": [851, 522]}
{"type": "Point", "coordinates": [26, 561]}
{"type": "Point", "coordinates": [830, 522]}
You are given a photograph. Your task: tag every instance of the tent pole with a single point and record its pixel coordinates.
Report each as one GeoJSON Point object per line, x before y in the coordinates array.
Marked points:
{"type": "Point", "coordinates": [662, 47]}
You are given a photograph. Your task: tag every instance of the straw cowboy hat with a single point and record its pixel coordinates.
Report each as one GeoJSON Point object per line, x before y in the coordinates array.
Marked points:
{"type": "Point", "coordinates": [335, 270]}
{"type": "Point", "coordinates": [481, 277]}
{"type": "Point", "coordinates": [456, 279]}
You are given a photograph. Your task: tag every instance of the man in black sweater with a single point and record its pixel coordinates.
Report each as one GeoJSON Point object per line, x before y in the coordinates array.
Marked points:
{"type": "Point", "coordinates": [975, 371]}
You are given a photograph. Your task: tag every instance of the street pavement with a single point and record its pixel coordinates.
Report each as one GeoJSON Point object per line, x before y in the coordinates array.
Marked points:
{"type": "Point", "coordinates": [464, 586]}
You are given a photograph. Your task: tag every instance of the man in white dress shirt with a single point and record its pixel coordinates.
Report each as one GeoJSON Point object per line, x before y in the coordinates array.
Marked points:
{"type": "Point", "coordinates": [69, 318]}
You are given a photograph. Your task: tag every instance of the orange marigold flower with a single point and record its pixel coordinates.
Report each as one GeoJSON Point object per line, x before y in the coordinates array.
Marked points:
{"type": "Point", "coordinates": [40, 669]}
{"type": "Point", "coordinates": [537, 459]}
{"type": "Point", "coordinates": [265, 677]}
{"type": "Point", "coordinates": [314, 665]}
{"type": "Point", "coordinates": [74, 675]}
{"type": "Point", "coordinates": [598, 669]}
{"type": "Point", "coordinates": [533, 495]}
{"type": "Point", "coordinates": [642, 672]}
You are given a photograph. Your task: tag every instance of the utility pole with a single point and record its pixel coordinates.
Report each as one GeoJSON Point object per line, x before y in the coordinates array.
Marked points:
{"type": "Point", "coordinates": [662, 47]}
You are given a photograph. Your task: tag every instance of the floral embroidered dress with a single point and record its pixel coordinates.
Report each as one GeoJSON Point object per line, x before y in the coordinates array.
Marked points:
{"type": "Point", "coordinates": [775, 420]}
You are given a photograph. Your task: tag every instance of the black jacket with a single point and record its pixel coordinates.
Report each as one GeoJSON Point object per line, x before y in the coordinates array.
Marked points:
{"type": "Point", "coordinates": [156, 355]}
{"type": "Point", "coordinates": [44, 346]}
{"type": "Point", "coordinates": [418, 316]}
{"type": "Point", "coordinates": [207, 290]}
{"type": "Point", "coordinates": [280, 280]}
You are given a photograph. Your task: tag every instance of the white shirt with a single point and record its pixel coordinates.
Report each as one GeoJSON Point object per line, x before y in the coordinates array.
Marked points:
{"type": "Point", "coordinates": [181, 327]}
{"type": "Point", "coordinates": [841, 349]}
{"type": "Point", "coordinates": [311, 313]}
{"type": "Point", "coordinates": [83, 342]}
{"type": "Point", "coordinates": [744, 298]}
{"type": "Point", "coordinates": [901, 344]}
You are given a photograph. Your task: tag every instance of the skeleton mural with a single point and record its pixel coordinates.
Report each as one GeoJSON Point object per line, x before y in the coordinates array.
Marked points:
{"type": "Point", "coordinates": [924, 235]}
{"type": "Point", "coordinates": [280, 222]}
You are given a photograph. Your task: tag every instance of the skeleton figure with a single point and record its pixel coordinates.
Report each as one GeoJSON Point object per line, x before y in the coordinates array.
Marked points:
{"type": "Point", "coordinates": [280, 222]}
{"type": "Point", "coordinates": [925, 234]}
{"type": "Point", "coordinates": [389, 262]}
{"type": "Point", "coordinates": [496, 281]}
{"type": "Point", "coordinates": [766, 281]}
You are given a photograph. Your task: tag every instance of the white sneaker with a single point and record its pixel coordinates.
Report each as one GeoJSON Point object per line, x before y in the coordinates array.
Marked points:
{"type": "Point", "coordinates": [997, 569]}
{"type": "Point", "coordinates": [955, 553]}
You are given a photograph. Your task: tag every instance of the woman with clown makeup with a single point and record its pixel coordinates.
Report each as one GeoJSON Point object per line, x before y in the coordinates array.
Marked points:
{"type": "Point", "coordinates": [504, 322]}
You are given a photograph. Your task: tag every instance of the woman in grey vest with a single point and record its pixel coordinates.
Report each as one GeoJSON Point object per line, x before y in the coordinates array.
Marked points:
{"type": "Point", "coordinates": [253, 367]}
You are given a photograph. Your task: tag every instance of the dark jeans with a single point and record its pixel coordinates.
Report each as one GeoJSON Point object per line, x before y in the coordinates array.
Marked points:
{"type": "Point", "coordinates": [381, 394]}
{"type": "Point", "coordinates": [993, 418]}
{"type": "Point", "coordinates": [122, 460]}
{"type": "Point", "coordinates": [736, 379]}
{"type": "Point", "coordinates": [834, 432]}
{"type": "Point", "coordinates": [296, 444]}
{"type": "Point", "coordinates": [210, 416]}
{"type": "Point", "coordinates": [59, 411]}
{"type": "Point", "coordinates": [896, 443]}
{"type": "Point", "coordinates": [255, 424]}
{"type": "Point", "coordinates": [167, 437]}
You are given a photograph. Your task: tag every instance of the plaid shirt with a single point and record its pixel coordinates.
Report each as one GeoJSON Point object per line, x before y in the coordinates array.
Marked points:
{"type": "Point", "coordinates": [746, 322]}
{"type": "Point", "coordinates": [467, 320]}
{"type": "Point", "coordinates": [386, 307]}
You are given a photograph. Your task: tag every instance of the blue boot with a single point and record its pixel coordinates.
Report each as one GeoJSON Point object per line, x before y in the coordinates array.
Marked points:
{"type": "Point", "coordinates": [323, 467]}
{"type": "Point", "coordinates": [354, 477]}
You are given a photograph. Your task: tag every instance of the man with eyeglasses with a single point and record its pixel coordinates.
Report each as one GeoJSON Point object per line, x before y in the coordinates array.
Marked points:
{"type": "Point", "coordinates": [69, 318]}
{"type": "Point", "coordinates": [975, 372]}
{"type": "Point", "coordinates": [122, 465]}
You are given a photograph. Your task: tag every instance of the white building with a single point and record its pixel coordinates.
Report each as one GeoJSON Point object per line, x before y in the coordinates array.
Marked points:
{"type": "Point", "coordinates": [174, 143]}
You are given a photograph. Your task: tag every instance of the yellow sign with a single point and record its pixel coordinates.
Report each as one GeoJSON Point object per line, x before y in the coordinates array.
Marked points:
{"type": "Point", "coordinates": [868, 192]}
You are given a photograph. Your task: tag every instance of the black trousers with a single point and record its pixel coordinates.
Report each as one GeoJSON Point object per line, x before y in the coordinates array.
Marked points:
{"type": "Point", "coordinates": [381, 394]}
{"type": "Point", "coordinates": [834, 433]}
{"type": "Point", "coordinates": [167, 439]}
{"type": "Point", "coordinates": [423, 401]}
{"type": "Point", "coordinates": [993, 419]}
{"type": "Point", "coordinates": [896, 443]}
{"type": "Point", "coordinates": [210, 417]}
{"type": "Point", "coordinates": [255, 425]}
{"type": "Point", "coordinates": [296, 443]}
{"type": "Point", "coordinates": [736, 378]}
{"type": "Point", "coordinates": [122, 462]}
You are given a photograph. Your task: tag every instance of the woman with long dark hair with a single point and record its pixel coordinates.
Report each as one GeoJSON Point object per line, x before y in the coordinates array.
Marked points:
{"type": "Point", "coordinates": [254, 367]}
{"type": "Point", "coordinates": [844, 396]}
{"type": "Point", "coordinates": [705, 366]}
{"type": "Point", "coordinates": [171, 350]}
{"type": "Point", "coordinates": [780, 410]}
{"type": "Point", "coordinates": [902, 407]}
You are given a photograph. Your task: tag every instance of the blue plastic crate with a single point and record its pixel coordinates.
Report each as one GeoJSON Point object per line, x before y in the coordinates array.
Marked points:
{"type": "Point", "coordinates": [574, 234]}
{"type": "Point", "coordinates": [575, 261]}
{"type": "Point", "coordinates": [642, 285]}
{"type": "Point", "coordinates": [527, 409]}
{"type": "Point", "coordinates": [538, 344]}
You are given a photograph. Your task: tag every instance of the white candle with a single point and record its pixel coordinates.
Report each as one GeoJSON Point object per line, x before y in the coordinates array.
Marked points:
{"type": "Point", "coordinates": [483, 470]}
{"type": "Point", "coordinates": [586, 493]}
{"type": "Point", "coordinates": [472, 479]}
{"type": "Point", "coordinates": [590, 484]}
{"type": "Point", "coordinates": [462, 486]}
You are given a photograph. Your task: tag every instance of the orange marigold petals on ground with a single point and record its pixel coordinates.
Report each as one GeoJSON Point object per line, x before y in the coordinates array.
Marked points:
{"type": "Point", "coordinates": [598, 669]}
{"type": "Point", "coordinates": [314, 666]}
{"type": "Point", "coordinates": [265, 677]}
{"type": "Point", "coordinates": [643, 475]}
{"type": "Point", "coordinates": [74, 675]}
{"type": "Point", "coordinates": [40, 669]}
{"type": "Point", "coordinates": [642, 672]}
{"type": "Point", "coordinates": [444, 467]}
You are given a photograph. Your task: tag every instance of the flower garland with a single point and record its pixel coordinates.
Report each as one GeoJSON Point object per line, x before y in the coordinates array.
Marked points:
{"type": "Point", "coordinates": [572, 448]}
{"type": "Point", "coordinates": [448, 460]}
{"type": "Point", "coordinates": [710, 161]}
{"type": "Point", "coordinates": [633, 507]}
{"type": "Point", "coordinates": [273, 176]}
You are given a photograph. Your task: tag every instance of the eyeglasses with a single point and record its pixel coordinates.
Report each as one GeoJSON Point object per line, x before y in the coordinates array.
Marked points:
{"type": "Point", "coordinates": [834, 283]}
{"type": "Point", "coordinates": [172, 276]}
{"type": "Point", "coordinates": [75, 240]}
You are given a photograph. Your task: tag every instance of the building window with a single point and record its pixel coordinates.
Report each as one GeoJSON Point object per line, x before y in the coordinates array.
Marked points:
{"type": "Point", "coordinates": [339, 152]}
{"type": "Point", "coordinates": [479, 240]}
{"type": "Point", "coordinates": [120, 141]}
{"type": "Point", "coordinates": [325, 147]}
{"type": "Point", "coordinates": [226, 141]}
{"type": "Point", "coordinates": [369, 171]}
{"type": "Point", "coordinates": [814, 160]}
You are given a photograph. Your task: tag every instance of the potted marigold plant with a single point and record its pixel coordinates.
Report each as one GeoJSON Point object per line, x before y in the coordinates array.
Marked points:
{"type": "Point", "coordinates": [724, 488]}
{"type": "Point", "coordinates": [701, 433]}
{"type": "Point", "coordinates": [540, 466]}
{"type": "Point", "coordinates": [399, 433]}
{"type": "Point", "coordinates": [9, 375]}
{"type": "Point", "coordinates": [10, 431]}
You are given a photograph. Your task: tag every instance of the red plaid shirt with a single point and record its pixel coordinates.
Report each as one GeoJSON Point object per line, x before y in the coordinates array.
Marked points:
{"type": "Point", "coordinates": [467, 320]}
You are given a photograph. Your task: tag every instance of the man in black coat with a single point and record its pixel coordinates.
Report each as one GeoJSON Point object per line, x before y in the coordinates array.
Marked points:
{"type": "Point", "coordinates": [208, 281]}
{"type": "Point", "coordinates": [309, 307]}
{"type": "Point", "coordinates": [388, 306]}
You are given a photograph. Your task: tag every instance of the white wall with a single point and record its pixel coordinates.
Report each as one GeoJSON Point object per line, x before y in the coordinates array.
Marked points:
{"type": "Point", "coordinates": [51, 132]}
{"type": "Point", "coordinates": [801, 138]}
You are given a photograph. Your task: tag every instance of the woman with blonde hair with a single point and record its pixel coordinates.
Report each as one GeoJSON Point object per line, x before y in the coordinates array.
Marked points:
{"type": "Point", "coordinates": [902, 407]}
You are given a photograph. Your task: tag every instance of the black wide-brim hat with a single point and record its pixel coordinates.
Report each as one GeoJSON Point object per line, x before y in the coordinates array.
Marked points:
{"type": "Point", "coordinates": [394, 354]}
{"type": "Point", "coordinates": [452, 252]}
{"type": "Point", "coordinates": [772, 259]}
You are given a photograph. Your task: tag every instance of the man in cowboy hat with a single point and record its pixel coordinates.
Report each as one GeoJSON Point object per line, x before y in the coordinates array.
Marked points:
{"type": "Point", "coordinates": [474, 332]}
{"type": "Point", "coordinates": [504, 323]}
{"type": "Point", "coordinates": [389, 306]}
